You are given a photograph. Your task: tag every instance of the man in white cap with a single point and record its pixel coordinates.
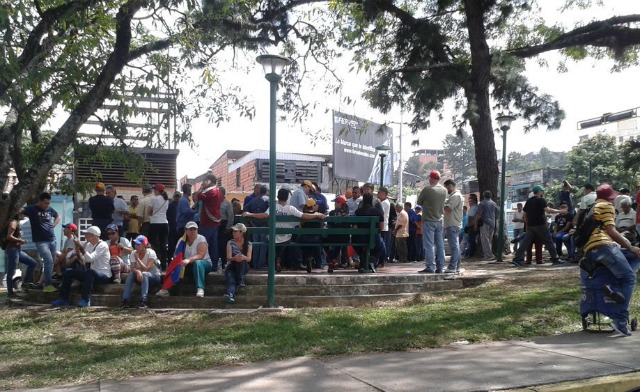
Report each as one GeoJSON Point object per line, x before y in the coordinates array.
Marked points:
{"type": "Point", "coordinates": [94, 254]}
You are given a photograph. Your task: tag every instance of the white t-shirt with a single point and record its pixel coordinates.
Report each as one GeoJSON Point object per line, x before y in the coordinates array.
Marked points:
{"type": "Point", "coordinates": [150, 254]}
{"type": "Point", "coordinates": [626, 220]}
{"type": "Point", "coordinates": [518, 215]}
{"type": "Point", "coordinates": [120, 207]}
{"type": "Point", "coordinates": [192, 250]}
{"type": "Point", "coordinates": [402, 220]}
{"type": "Point", "coordinates": [587, 201]}
{"type": "Point", "coordinates": [286, 210]}
{"type": "Point", "coordinates": [160, 206]}
{"type": "Point", "coordinates": [386, 207]}
{"type": "Point", "coordinates": [98, 256]}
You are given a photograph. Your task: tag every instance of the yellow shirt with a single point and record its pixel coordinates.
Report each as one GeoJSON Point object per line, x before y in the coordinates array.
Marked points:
{"type": "Point", "coordinates": [134, 225]}
{"type": "Point", "coordinates": [603, 213]}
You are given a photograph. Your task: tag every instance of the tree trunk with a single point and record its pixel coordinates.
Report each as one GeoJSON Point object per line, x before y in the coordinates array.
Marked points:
{"type": "Point", "coordinates": [477, 94]}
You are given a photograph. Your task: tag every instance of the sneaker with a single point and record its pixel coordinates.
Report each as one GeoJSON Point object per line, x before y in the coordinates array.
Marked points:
{"type": "Point", "coordinates": [117, 281]}
{"type": "Point", "coordinates": [60, 302]}
{"type": "Point", "coordinates": [49, 289]}
{"type": "Point", "coordinates": [56, 277]}
{"type": "Point", "coordinates": [143, 305]}
{"type": "Point", "coordinates": [309, 265]}
{"type": "Point", "coordinates": [492, 258]}
{"type": "Point", "coordinates": [242, 284]}
{"type": "Point", "coordinates": [450, 271]}
{"type": "Point", "coordinates": [84, 303]}
{"type": "Point", "coordinates": [125, 304]}
{"type": "Point", "coordinates": [24, 288]}
{"type": "Point", "coordinates": [229, 298]}
{"type": "Point", "coordinates": [200, 293]}
{"type": "Point", "coordinates": [621, 327]}
{"type": "Point", "coordinates": [162, 293]}
{"type": "Point", "coordinates": [38, 286]}
{"type": "Point", "coordinates": [426, 271]}
{"type": "Point", "coordinates": [517, 263]}
{"type": "Point", "coordinates": [556, 261]}
{"type": "Point", "coordinates": [616, 296]}
{"type": "Point", "coordinates": [438, 271]}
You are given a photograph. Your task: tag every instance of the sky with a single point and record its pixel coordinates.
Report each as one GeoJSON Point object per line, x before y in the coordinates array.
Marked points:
{"type": "Point", "coordinates": [587, 90]}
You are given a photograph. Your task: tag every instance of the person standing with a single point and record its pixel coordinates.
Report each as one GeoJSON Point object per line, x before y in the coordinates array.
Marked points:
{"type": "Point", "coordinates": [158, 224]}
{"type": "Point", "coordinates": [415, 224]}
{"type": "Point", "coordinates": [210, 218]}
{"type": "Point", "coordinates": [102, 209]}
{"type": "Point", "coordinates": [224, 233]}
{"type": "Point", "coordinates": [412, 248]}
{"type": "Point", "coordinates": [535, 209]}
{"type": "Point", "coordinates": [143, 210]}
{"type": "Point", "coordinates": [133, 228]}
{"type": "Point", "coordinates": [485, 224]}
{"type": "Point", "coordinates": [184, 212]}
{"type": "Point", "coordinates": [383, 196]}
{"type": "Point", "coordinates": [120, 209]}
{"type": "Point", "coordinates": [43, 220]}
{"type": "Point", "coordinates": [518, 225]}
{"type": "Point", "coordinates": [472, 231]}
{"type": "Point", "coordinates": [401, 233]}
{"type": "Point", "coordinates": [255, 194]}
{"type": "Point", "coordinates": [354, 200]}
{"type": "Point", "coordinates": [172, 217]}
{"type": "Point", "coordinates": [15, 254]}
{"type": "Point", "coordinates": [259, 205]}
{"type": "Point", "coordinates": [432, 200]}
{"type": "Point", "coordinates": [300, 195]}
{"type": "Point", "coordinates": [452, 224]}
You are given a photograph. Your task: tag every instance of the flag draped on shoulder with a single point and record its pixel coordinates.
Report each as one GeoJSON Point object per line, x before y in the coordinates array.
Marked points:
{"type": "Point", "coordinates": [175, 270]}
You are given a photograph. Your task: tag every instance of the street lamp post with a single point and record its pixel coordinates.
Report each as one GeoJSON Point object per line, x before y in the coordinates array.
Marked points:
{"type": "Point", "coordinates": [504, 122]}
{"type": "Point", "coordinates": [273, 66]}
{"type": "Point", "coordinates": [382, 152]}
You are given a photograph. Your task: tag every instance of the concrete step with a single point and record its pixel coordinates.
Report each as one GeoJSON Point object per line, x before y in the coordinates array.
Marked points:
{"type": "Point", "coordinates": [216, 302]}
{"type": "Point", "coordinates": [309, 290]}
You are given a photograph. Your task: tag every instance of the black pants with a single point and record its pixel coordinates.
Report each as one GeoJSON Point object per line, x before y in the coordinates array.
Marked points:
{"type": "Point", "coordinates": [173, 239]}
{"type": "Point", "coordinates": [223, 238]}
{"type": "Point", "coordinates": [158, 233]}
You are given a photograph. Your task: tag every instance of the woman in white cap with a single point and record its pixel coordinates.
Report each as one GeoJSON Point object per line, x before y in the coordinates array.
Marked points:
{"type": "Point", "coordinates": [239, 252]}
{"type": "Point", "coordinates": [94, 255]}
{"type": "Point", "coordinates": [196, 255]}
{"type": "Point", "coordinates": [145, 270]}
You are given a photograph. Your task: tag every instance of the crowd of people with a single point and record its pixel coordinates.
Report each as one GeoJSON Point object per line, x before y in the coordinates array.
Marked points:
{"type": "Point", "coordinates": [141, 239]}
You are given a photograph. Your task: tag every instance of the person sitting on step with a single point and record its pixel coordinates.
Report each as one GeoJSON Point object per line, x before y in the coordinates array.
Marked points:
{"type": "Point", "coordinates": [239, 251]}
{"type": "Point", "coordinates": [196, 258]}
{"type": "Point", "coordinates": [94, 256]}
{"type": "Point", "coordinates": [145, 271]}
{"type": "Point", "coordinates": [119, 250]}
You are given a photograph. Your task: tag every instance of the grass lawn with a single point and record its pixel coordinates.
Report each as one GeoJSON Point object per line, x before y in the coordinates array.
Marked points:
{"type": "Point", "coordinates": [43, 347]}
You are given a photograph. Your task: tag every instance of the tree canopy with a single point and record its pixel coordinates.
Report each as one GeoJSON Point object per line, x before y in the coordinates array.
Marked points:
{"type": "Point", "coordinates": [459, 153]}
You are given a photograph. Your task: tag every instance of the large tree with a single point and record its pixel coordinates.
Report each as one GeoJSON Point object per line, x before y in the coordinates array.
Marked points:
{"type": "Point", "coordinates": [459, 153]}
{"type": "Point", "coordinates": [420, 54]}
{"type": "Point", "coordinates": [599, 159]}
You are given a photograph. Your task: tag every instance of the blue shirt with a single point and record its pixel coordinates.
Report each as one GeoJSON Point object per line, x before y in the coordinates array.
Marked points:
{"type": "Point", "coordinates": [41, 223]}
{"type": "Point", "coordinates": [184, 213]}
{"type": "Point", "coordinates": [413, 217]}
{"type": "Point", "coordinates": [321, 200]}
{"type": "Point", "coordinates": [247, 200]}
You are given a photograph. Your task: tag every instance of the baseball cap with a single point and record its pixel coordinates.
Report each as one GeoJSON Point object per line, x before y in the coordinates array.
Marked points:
{"type": "Point", "coordinates": [310, 202]}
{"type": "Point", "coordinates": [537, 188]}
{"type": "Point", "coordinates": [100, 186]}
{"type": "Point", "coordinates": [72, 226]}
{"type": "Point", "coordinates": [95, 230]}
{"type": "Point", "coordinates": [239, 227]}
{"type": "Point", "coordinates": [159, 187]}
{"type": "Point", "coordinates": [146, 188]}
{"type": "Point", "coordinates": [309, 184]}
{"type": "Point", "coordinates": [141, 240]}
{"type": "Point", "coordinates": [418, 208]}
{"type": "Point", "coordinates": [191, 225]}
{"type": "Point", "coordinates": [606, 192]}
{"type": "Point", "coordinates": [434, 175]}
{"type": "Point", "coordinates": [340, 199]}
{"type": "Point", "coordinates": [112, 227]}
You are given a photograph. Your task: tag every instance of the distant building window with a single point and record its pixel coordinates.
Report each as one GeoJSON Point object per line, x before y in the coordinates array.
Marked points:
{"type": "Point", "coordinates": [238, 177]}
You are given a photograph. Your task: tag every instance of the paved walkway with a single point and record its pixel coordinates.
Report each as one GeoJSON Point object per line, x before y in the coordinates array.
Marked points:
{"type": "Point", "coordinates": [460, 367]}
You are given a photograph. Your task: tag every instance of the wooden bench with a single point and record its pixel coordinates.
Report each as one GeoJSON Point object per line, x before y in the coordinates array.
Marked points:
{"type": "Point", "coordinates": [369, 232]}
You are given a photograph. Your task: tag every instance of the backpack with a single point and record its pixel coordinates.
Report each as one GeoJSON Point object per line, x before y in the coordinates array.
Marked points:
{"type": "Point", "coordinates": [586, 225]}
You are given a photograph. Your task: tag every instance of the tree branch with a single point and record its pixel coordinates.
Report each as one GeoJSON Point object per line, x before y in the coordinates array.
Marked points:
{"type": "Point", "coordinates": [609, 33]}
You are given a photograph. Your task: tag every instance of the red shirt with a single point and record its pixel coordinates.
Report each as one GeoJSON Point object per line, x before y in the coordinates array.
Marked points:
{"type": "Point", "coordinates": [212, 200]}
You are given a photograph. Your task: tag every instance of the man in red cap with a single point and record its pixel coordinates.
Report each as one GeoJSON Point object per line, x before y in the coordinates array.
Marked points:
{"type": "Point", "coordinates": [432, 200]}
{"type": "Point", "coordinates": [210, 217]}
{"type": "Point", "coordinates": [601, 248]}
{"type": "Point", "coordinates": [65, 258]}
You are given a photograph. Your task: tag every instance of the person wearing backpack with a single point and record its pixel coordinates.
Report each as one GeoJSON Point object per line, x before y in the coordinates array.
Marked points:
{"type": "Point", "coordinates": [601, 248]}
{"type": "Point", "coordinates": [535, 209]}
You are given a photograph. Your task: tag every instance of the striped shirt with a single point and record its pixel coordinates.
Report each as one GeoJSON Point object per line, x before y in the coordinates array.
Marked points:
{"type": "Point", "coordinates": [603, 213]}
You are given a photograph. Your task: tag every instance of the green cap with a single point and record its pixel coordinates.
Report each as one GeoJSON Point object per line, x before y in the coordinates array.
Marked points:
{"type": "Point", "coordinates": [538, 188]}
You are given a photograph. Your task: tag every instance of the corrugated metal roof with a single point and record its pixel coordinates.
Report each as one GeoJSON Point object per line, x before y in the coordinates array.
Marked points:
{"type": "Point", "coordinates": [280, 156]}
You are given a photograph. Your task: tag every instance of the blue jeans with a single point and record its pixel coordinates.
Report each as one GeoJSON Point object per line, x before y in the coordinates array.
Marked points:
{"type": "Point", "coordinates": [419, 248]}
{"type": "Point", "coordinates": [87, 277]}
{"type": "Point", "coordinates": [234, 275]}
{"type": "Point", "coordinates": [387, 239]}
{"type": "Point", "coordinates": [148, 280]}
{"type": "Point", "coordinates": [260, 253]}
{"type": "Point", "coordinates": [471, 242]}
{"type": "Point", "coordinates": [452, 233]}
{"type": "Point", "coordinates": [516, 234]}
{"type": "Point", "coordinates": [567, 239]}
{"type": "Point", "coordinates": [614, 259]}
{"type": "Point", "coordinates": [559, 239]}
{"type": "Point", "coordinates": [432, 235]}
{"type": "Point", "coordinates": [13, 257]}
{"type": "Point", "coordinates": [47, 251]}
{"type": "Point", "coordinates": [211, 234]}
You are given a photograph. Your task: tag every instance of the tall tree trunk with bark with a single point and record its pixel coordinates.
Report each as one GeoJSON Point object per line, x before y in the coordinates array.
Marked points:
{"type": "Point", "coordinates": [477, 94]}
